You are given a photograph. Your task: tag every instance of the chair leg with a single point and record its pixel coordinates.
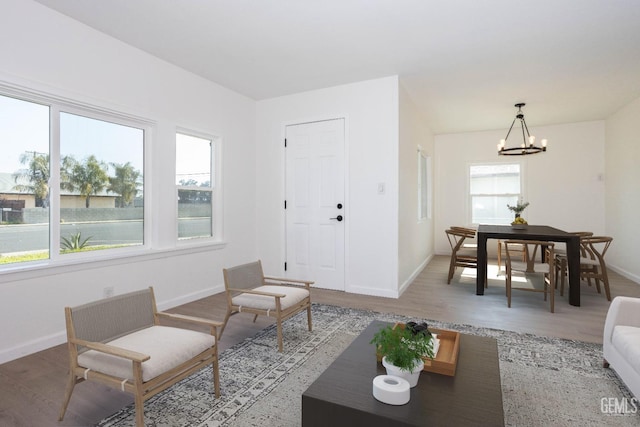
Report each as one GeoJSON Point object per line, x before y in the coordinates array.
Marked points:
{"type": "Point", "coordinates": [67, 395]}
{"type": "Point", "coordinates": [255, 318]}
{"type": "Point", "coordinates": [552, 290]}
{"type": "Point", "coordinates": [563, 273]}
{"type": "Point", "coordinates": [452, 269]}
{"type": "Point", "coordinates": [309, 317]}
{"type": "Point", "coordinates": [224, 324]}
{"type": "Point", "coordinates": [508, 286]}
{"type": "Point", "coordinates": [139, 402]}
{"type": "Point", "coordinates": [138, 394]}
{"type": "Point", "coordinates": [279, 328]}
{"type": "Point", "coordinates": [605, 283]}
{"type": "Point", "coordinates": [216, 374]}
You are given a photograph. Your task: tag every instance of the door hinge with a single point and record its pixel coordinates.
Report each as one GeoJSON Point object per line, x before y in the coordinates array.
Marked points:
{"type": "Point", "coordinates": [285, 266]}
{"type": "Point", "coordinates": [285, 204]}
{"type": "Point", "coordinates": [285, 143]}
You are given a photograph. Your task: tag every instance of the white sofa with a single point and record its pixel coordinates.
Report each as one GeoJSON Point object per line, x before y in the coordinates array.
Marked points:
{"type": "Point", "coordinates": [621, 341]}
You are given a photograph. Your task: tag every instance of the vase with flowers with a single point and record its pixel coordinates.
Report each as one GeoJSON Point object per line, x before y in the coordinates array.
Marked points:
{"type": "Point", "coordinates": [517, 210]}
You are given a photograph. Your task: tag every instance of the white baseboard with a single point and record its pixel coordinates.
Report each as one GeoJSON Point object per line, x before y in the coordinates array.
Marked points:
{"type": "Point", "coordinates": [194, 296]}
{"type": "Point", "coordinates": [43, 343]}
{"type": "Point", "coordinates": [386, 293]}
{"type": "Point", "coordinates": [33, 346]}
{"type": "Point", "coordinates": [633, 277]}
{"type": "Point", "coordinates": [413, 275]}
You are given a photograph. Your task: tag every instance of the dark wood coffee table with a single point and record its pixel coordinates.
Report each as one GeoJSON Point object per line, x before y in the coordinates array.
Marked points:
{"type": "Point", "coordinates": [343, 394]}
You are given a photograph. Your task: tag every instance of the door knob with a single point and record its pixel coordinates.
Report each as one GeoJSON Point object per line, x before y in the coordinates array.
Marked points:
{"type": "Point", "coordinates": [339, 206]}
{"type": "Point", "coordinates": [339, 218]}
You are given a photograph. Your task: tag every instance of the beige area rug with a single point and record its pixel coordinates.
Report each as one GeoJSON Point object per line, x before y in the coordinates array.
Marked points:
{"type": "Point", "coordinates": [545, 381]}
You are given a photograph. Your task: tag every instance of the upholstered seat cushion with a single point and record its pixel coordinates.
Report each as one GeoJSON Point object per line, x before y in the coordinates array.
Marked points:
{"type": "Point", "coordinates": [627, 340]}
{"type": "Point", "coordinates": [294, 295]}
{"type": "Point", "coordinates": [167, 346]}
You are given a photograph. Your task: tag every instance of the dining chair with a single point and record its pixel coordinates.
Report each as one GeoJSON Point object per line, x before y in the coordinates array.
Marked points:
{"type": "Point", "coordinates": [515, 249]}
{"type": "Point", "coordinates": [561, 264]}
{"type": "Point", "coordinates": [532, 264]}
{"type": "Point", "coordinates": [592, 264]}
{"type": "Point", "coordinates": [461, 255]}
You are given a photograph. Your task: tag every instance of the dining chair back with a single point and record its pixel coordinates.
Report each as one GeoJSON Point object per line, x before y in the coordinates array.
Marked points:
{"type": "Point", "coordinates": [530, 264]}
{"type": "Point", "coordinates": [461, 256]}
{"type": "Point", "coordinates": [561, 264]}
{"type": "Point", "coordinates": [593, 266]}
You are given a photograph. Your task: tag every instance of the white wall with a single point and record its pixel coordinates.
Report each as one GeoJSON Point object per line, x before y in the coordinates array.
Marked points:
{"type": "Point", "coordinates": [48, 52]}
{"type": "Point", "coordinates": [370, 110]}
{"type": "Point", "coordinates": [415, 238]}
{"type": "Point", "coordinates": [564, 185]}
{"type": "Point", "coordinates": [623, 190]}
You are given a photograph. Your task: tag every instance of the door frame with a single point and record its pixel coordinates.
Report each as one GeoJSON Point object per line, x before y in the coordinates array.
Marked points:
{"type": "Point", "coordinates": [285, 124]}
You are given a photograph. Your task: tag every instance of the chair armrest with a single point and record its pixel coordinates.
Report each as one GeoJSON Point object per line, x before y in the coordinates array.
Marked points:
{"type": "Point", "coordinates": [254, 292]}
{"type": "Point", "coordinates": [622, 311]}
{"type": "Point", "coordinates": [113, 350]}
{"type": "Point", "coordinates": [284, 281]}
{"type": "Point", "coordinates": [189, 319]}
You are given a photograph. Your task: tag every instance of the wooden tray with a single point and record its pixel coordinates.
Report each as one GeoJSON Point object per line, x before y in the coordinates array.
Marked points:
{"type": "Point", "coordinates": [446, 360]}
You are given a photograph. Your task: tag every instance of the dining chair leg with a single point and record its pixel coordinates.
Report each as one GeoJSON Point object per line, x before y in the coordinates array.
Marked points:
{"type": "Point", "coordinates": [605, 283]}
{"type": "Point", "coordinates": [452, 269]}
{"type": "Point", "coordinates": [508, 286]}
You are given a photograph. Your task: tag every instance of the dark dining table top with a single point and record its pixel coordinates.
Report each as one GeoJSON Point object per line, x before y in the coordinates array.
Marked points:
{"type": "Point", "coordinates": [543, 232]}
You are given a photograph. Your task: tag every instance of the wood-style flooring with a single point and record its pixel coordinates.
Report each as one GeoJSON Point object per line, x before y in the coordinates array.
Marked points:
{"type": "Point", "coordinates": [31, 388]}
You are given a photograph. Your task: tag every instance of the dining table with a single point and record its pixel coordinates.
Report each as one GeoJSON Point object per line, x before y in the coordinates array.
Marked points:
{"type": "Point", "coordinates": [530, 232]}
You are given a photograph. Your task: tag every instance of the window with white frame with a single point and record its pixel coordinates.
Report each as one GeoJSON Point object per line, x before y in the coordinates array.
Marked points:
{"type": "Point", "coordinates": [424, 191]}
{"type": "Point", "coordinates": [71, 180]}
{"type": "Point", "coordinates": [195, 184]}
{"type": "Point", "coordinates": [491, 188]}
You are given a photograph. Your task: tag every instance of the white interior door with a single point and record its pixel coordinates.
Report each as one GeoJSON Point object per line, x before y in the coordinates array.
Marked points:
{"type": "Point", "coordinates": [315, 206]}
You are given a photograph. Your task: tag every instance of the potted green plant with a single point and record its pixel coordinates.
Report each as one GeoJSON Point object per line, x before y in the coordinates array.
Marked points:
{"type": "Point", "coordinates": [403, 347]}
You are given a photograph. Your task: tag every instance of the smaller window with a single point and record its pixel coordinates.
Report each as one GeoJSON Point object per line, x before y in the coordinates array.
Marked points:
{"type": "Point", "coordinates": [491, 189]}
{"type": "Point", "coordinates": [195, 185]}
{"type": "Point", "coordinates": [424, 191]}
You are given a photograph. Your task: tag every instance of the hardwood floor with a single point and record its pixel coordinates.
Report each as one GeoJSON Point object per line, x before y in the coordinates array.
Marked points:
{"type": "Point", "coordinates": [31, 388]}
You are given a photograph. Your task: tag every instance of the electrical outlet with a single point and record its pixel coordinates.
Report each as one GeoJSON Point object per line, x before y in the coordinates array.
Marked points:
{"type": "Point", "coordinates": [107, 292]}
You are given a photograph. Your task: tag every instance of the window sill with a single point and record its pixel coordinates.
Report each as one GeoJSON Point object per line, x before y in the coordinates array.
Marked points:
{"type": "Point", "coordinates": [38, 269]}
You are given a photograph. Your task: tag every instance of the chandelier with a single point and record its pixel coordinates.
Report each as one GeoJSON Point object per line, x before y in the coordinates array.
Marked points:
{"type": "Point", "coordinates": [528, 145]}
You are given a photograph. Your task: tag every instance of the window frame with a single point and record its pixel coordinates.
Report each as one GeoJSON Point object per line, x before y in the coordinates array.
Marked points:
{"type": "Point", "coordinates": [470, 196]}
{"type": "Point", "coordinates": [424, 186]}
{"type": "Point", "coordinates": [58, 105]}
{"type": "Point", "coordinates": [216, 190]}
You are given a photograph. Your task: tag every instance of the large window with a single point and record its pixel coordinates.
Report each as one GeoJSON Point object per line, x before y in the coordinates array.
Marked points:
{"type": "Point", "coordinates": [491, 189]}
{"type": "Point", "coordinates": [195, 184]}
{"type": "Point", "coordinates": [71, 180]}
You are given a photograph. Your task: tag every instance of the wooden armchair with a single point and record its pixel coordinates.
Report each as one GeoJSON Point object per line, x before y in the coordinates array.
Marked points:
{"type": "Point", "coordinates": [249, 291]}
{"type": "Point", "coordinates": [119, 342]}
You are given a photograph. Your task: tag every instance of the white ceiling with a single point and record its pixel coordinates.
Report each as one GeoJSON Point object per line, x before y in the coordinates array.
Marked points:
{"type": "Point", "coordinates": [463, 62]}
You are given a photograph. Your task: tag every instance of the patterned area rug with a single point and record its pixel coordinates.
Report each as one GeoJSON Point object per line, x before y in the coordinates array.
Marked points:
{"type": "Point", "coordinates": [545, 381]}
